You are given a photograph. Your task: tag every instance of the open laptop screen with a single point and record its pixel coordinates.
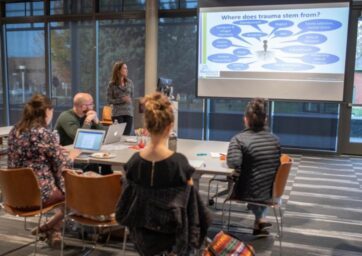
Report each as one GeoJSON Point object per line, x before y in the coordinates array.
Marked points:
{"type": "Point", "coordinates": [89, 140]}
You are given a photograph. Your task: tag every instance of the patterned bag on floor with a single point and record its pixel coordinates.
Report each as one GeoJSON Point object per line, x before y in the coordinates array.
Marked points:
{"type": "Point", "coordinates": [225, 244]}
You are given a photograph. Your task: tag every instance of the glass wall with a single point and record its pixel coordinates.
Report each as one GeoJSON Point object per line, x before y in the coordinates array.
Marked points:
{"type": "Point", "coordinates": [356, 118]}
{"type": "Point", "coordinates": [306, 124]}
{"type": "Point", "coordinates": [72, 50]}
{"type": "Point", "coordinates": [26, 64]}
{"type": "Point", "coordinates": [225, 118]}
{"type": "Point", "coordinates": [25, 8]}
{"type": "Point", "coordinates": [177, 61]}
{"type": "Point", "coordinates": [70, 7]}
{"type": "Point", "coordinates": [82, 50]}
{"type": "Point", "coordinates": [125, 5]}
{"type": "Point", "coordinates": [2, 107]}
{"type": "Point", "coordinates": [177, 4]}
{"type": "Point", "coordinates": [121, 40]}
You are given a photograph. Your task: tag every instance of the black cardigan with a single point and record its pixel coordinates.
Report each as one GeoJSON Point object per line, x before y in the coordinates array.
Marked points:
{"type": "Point", "coordinates": [178, 212]}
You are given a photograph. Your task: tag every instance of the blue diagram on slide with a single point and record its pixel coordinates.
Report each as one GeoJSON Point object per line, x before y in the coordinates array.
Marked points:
{"type": "Point", "coordinates": [297, 40]}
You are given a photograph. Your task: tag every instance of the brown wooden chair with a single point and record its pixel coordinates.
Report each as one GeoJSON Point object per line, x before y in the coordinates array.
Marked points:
{"type": "Point", "coordinates": [280, 181]}
{"type": "Point", "coordinates": [22, 196]}
{"type": "Point", "coordinates": [91, 201]}
{"type": "Point", "coordinates": [106, 115]}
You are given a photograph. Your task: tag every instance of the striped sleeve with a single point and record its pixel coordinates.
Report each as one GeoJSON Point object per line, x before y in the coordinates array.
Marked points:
{"type": "Point", "coordinates": [234, 155]}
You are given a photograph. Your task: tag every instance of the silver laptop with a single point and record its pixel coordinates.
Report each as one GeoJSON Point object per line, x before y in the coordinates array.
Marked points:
{"type": "Point", "coordinates": [114, 133]}
{"type": "Point", "coordinates": [89, 141]}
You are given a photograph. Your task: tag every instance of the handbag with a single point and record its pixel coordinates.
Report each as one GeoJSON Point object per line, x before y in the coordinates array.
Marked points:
{"type": "Point", "coordinates": [225, 244]}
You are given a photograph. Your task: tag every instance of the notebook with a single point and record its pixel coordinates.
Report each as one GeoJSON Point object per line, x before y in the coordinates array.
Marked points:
{"type": "Point", "coordinates": [89, 141]}
{"type": "Point", "coordinates": [114, 133]}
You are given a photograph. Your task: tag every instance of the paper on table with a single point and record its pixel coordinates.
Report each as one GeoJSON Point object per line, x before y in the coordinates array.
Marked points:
{"type": "Point", "coordinates": [196, 163]}
{"type": "Point", "coordinates": [217, 154]}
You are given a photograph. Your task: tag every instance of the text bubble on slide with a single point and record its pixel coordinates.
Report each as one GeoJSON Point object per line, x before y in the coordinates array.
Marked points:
{"type": "Point", "coordinates": [282, 33]}
{"type": "Point", "coordinates": [241, 52]}
{"type": "Point", "coordinates": [227, 30]}
{"type": "Point", "coordinates": [224, 43]}
{"type": "Point", "coordinates": [277, 24]}
{"type": "Point", "coordinates": [287, 66]}
{"type": "Point", "coordinates": [254, 23]}
{"type": "Point", "coordinates": [300, 49]}
{"type": "Point", "coordinates": [256, 35]}
{"type": "Point", "coordinates": [222, 58]}
{"type": "Point", "coordinates": [318, 25]}
{"type": "Point", "coordinates": [311, 38]}
{"type": "Point", "coordinates": [238, 66]}
{"type": "Point", "coordinates": [320, 58]}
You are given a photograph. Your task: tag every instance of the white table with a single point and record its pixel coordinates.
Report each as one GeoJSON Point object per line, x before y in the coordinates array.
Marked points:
{"type": "Point", "coordinates": [4, 131]}
{"type": "Point", "coordinates": [192, 149]}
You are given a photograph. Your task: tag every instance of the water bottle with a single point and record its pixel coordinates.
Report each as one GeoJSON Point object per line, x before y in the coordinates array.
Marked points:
{"type": "Point", "coordinates": [172, 142]}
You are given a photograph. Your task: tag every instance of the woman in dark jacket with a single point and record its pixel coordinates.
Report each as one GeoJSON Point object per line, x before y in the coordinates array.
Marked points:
{"type": "Point", "coordinates": [254, 153]}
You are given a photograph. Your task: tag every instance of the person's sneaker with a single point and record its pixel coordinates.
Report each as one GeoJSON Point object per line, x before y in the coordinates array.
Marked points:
{"type": "Point", "coordinates": [265, 225]}
{"type": "Point", "coordinates": [260, 232]}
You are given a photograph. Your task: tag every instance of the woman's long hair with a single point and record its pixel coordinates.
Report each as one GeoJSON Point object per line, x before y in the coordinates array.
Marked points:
{"type": "Point", "coordinates": [34, 113]}
{"type": "Point", "coordinates": [116, 76]}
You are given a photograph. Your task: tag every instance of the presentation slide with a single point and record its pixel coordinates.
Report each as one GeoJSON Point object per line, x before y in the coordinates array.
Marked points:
{"type": "Point", "coordinates": [276, 51]}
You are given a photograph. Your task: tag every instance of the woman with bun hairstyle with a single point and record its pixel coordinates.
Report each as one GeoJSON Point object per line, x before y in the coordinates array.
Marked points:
{"type": "Point", "coordinates": [158, 188]}
{"type": "Point", "coordinates": [33, 145]}
{"type": "Point", "coordinates": [254, 154]}
{"type": "Point", "coordinates": [119, 96]}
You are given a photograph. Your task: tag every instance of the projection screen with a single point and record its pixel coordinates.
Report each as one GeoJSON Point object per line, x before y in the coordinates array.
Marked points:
{"type": "Point", "coordinates": [295, 52]}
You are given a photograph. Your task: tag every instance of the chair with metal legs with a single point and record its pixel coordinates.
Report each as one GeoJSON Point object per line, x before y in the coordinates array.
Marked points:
{"type": "Point", "coordinates": [280, 181]}
{"type": "Point", "coordinates": [22, 197]}
{"type": "Point", "coordinates": [91, 201]}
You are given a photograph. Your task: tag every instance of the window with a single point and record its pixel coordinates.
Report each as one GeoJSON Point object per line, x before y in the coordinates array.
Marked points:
{"type": "Point", "coordinates": [26, 64]}
{"type": "Point", "coordinates": [305, 124]}
{"type": "Point", "coordinates": [70, 7]}
{"type": "Point", "coordinates": [121, 40]}
{"type": "Point", "coordinates": [177, 4]}
{"type": "Point", "coordinates": [22, 9]}
{"type": "Point", "coordinates": [2, 94]}
{"type": "Point", "coordinates": [177, 61]}
{"type": "Point", "coordinates": [72, 48]}
{"type": "Point", "coordinates": [225, 118]}
{"type": "Point", "coordinates": [124, 5]}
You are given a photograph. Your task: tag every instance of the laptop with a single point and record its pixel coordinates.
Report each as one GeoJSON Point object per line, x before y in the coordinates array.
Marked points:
{"type": "Point", "coordinates": [88, 141]}
{"type": "Point", "coordinates": [114, 133]}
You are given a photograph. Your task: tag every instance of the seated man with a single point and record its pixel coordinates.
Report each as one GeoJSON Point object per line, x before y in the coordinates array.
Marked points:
{"type": "Point", "coordinates": [83, 116]}
{"type": "Point", "coordinates": [254, 153]}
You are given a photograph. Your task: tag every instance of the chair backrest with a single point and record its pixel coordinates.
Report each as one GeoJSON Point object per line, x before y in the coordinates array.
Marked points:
{"type": "Point", "coordinates": [107, 113]}
{"type": "Point", "coordinates": [20, 188]}
{"type": "Point", "coordinates": [281, 175]}
{"type": "Point", "coordinates": [92, 195]}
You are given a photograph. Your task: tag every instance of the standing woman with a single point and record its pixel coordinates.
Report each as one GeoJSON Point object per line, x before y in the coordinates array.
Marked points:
{"type": "Point", "coordinates": [32, 145]}
{"type": "Point", "coordinates": [120, 94]}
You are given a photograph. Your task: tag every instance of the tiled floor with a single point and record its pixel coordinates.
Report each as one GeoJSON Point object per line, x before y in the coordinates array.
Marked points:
{"type": "Point", "coordinates": [323, 206]}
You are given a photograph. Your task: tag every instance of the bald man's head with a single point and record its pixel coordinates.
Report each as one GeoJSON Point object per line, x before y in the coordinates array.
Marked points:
{"type": "Point", "coordinates": [82, 98]}
{"type": "Point", "coordinates": [82, 103]}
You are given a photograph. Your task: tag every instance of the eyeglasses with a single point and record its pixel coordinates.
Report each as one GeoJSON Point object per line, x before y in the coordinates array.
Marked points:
{"type": "Point", "coordinates": [89, 105]}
